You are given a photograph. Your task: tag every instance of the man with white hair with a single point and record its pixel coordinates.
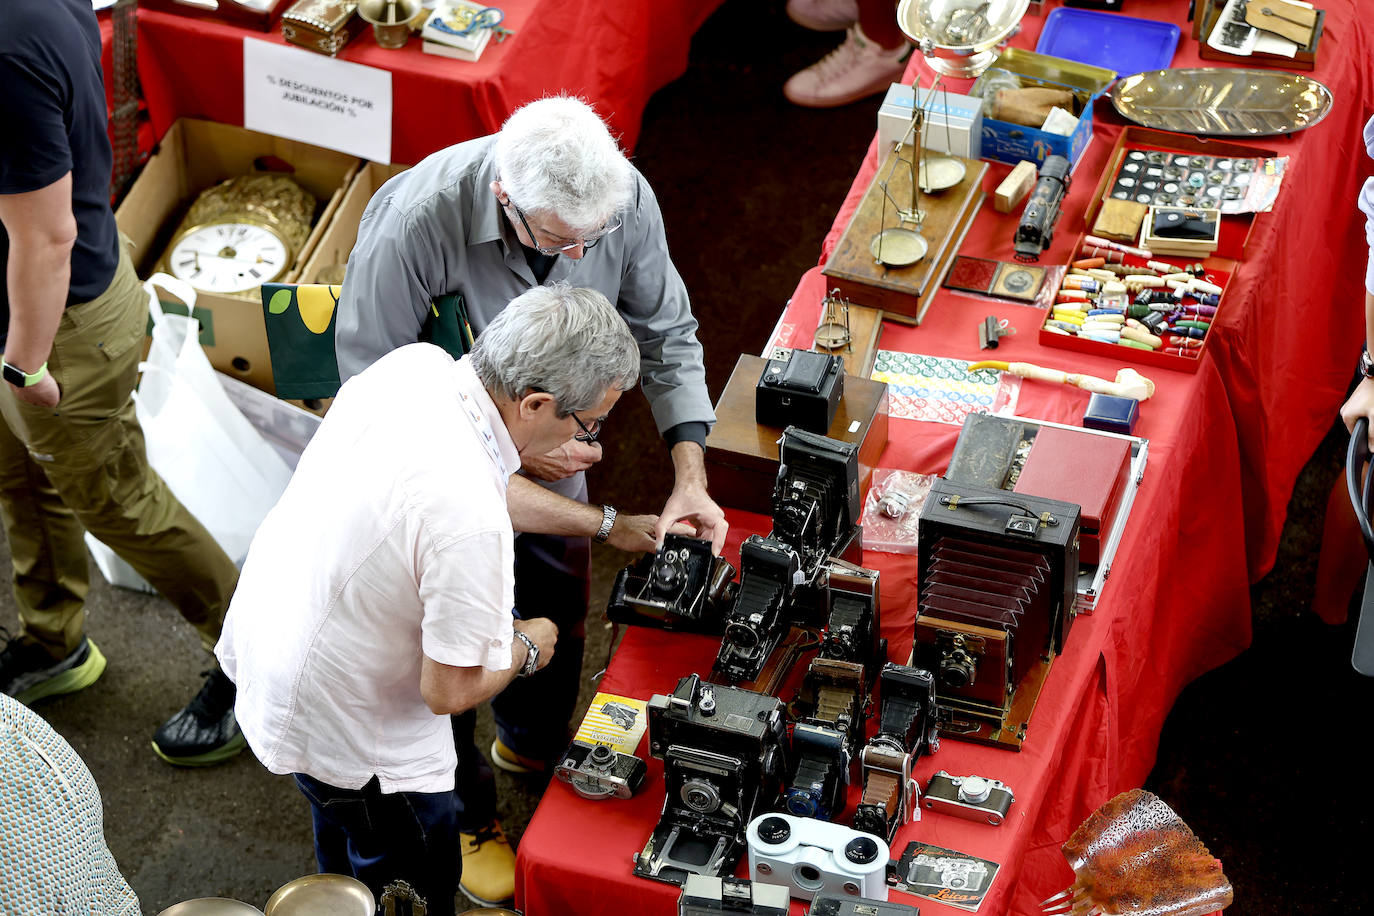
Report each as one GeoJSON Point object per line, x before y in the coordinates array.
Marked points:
{"type": "Point", "coordinates": [549, 198]}
{"type": "Point", "coordinates": [376, 598]}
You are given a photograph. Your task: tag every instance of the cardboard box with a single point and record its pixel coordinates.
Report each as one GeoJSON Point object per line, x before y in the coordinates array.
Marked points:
{"type": "Point", "coordinates": [954, 123]}
{"type": "Point", "coordinates": [1006, 142]}
{"type": "Point", "coordinates": [195, 155]}
{"type": "Point", "coordinates": [336, 241]}
{"type": "Point", "coordinates": [742, 456]}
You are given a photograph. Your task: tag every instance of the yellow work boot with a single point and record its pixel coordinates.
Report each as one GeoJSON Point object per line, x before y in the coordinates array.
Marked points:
{"type": "Point", "coordinates": [503, 758]}
{"type": "Point", "coordinates": [488, 867]}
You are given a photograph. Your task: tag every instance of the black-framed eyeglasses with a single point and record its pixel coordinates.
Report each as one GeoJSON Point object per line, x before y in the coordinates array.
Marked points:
{"type": "Point", "coordinates": [587, 242]}
{"type": "Point", "coordinates": [588, 434]}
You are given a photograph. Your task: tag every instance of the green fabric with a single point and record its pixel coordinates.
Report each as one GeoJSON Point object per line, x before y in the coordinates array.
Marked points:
{"type": "Point", "coordinates": [300, 335]}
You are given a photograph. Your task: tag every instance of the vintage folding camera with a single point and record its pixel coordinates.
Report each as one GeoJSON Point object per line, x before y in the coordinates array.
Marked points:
{"type": "Point", "coordinates": [852, 621]}
{"type": "Point", "coordinates": [815, 857]}
{"type": "Point", "coordinates": [769, 570]}
{"type": "Point", "coordinates": [973, 798]}
{"type": "Point", "coordinates": [803, 390]}
{"type": "Point", "coordinates": [820, 771]}
{"type": "Point", "coordinates": [816, 504]}
{"type": "Point", "coordinates": [704, 895]}
{"type": "Point", "coordinates": [681, 587]}
{"type": "Point", "coordinates": [906, 730]}
{"type": "Point", "coordinates": [597, 771]}
{"type": "Point", "coordinates": [724, 753]}
{"type": "Point", "coordinates": [859, 906]}
{"type": "Point", "coordinates": [997, 573]}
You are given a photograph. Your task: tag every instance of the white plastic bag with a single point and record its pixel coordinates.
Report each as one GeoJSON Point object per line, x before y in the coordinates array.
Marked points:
{"type": "Point", "coordinates": [210, 455]}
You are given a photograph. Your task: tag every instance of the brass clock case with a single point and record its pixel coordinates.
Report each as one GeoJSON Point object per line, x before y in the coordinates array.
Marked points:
{"type": "Point", "coordinates": [273, 202]}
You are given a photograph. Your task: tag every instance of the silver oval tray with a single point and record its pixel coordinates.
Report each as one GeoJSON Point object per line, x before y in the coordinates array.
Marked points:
{"type": "Point", "coordinates": [1221, 102]}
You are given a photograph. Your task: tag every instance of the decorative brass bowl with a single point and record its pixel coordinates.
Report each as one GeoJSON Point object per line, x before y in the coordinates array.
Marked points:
{"type": "Point", "coordinates": [1221, 101]}
{"type": "Point", "coordinates": [322, 895]}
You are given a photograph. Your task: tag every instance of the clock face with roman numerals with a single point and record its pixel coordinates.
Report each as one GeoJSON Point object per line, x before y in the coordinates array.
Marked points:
{"type": "Point", "coordinates": [228, 257]}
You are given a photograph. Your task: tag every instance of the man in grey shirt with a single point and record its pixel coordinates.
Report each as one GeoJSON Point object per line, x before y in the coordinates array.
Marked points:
{"type": "Point", "coordinates": [550, 197]}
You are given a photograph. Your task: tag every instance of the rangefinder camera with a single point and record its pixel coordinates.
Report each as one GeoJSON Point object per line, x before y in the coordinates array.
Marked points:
{"type": "Point", "coordinates": [973, 798]}
{"type": "Point", "coordinates": [948, 873]}
{"type": "Point", "coordinates": [597, 771]}
{"type": "Point", "coordinates": [816, 857]}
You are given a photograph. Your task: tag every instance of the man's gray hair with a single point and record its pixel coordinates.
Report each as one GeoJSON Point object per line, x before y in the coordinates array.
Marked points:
{"type": "Point", "coordinates": [569, 342]}
{"type": "Point", "coordinates": [556, 156]}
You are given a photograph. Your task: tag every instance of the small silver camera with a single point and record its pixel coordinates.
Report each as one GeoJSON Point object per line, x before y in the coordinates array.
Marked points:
{"type": "Point", "coordinates": [705, 895]}
{"type": "Point", "coordinates": [597, 771]}
{"type": "Point", "coordinates": [973, 798]}
{"type": "Point", "coordinates": [929, 872]}
{"type": "Point", "coordinates": [816, 857]}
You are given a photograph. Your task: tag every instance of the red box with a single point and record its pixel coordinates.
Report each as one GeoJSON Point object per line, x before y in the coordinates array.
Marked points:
{"type": "Point", "coordinates": [1083, 468]}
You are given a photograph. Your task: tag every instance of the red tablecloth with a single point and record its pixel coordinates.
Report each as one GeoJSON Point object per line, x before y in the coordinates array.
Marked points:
{"type": "Point", "coordinates": [1226, 444]}
{"type": "Point", "coordinates": [613, 54]}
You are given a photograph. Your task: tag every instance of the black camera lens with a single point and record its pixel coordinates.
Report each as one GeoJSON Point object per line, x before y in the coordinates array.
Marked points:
{"type": "Point", "coordinates": [601, 756]}
{"type": "Point", "coordinates": [774, 830]}
{"type": "Point", "coordinates": [861, 850]}
{"type": "Point", "coordinates": [742, 636]}
{"type": "Point", "coordinates": [668, 574]}
{"type": "Point", "coordinates": [800, 803]}
{"type": "Point", "coordinates": [958, 669]}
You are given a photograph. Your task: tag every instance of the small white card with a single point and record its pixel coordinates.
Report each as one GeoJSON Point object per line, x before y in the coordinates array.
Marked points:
{"type": "Point", "coordinates": [298, 94]}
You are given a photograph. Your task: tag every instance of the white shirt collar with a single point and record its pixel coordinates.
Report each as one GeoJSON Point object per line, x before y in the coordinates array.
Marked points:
{"type": "Point", "coordinates": [487, 419]}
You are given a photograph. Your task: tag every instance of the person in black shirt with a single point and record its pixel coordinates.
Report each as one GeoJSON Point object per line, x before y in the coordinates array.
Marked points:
{"type": "Point", "coordinates": [72, 318]}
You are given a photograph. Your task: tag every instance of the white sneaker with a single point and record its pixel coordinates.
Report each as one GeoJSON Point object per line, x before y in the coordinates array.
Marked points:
{"type": "Point", "coordinates": [823, 15]}
{"type": "Point", "coordinates": [856, 69]}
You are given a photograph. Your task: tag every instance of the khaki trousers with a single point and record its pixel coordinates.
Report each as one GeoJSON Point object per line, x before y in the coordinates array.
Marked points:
{"type": "Point", "coordinates": [82, 465]}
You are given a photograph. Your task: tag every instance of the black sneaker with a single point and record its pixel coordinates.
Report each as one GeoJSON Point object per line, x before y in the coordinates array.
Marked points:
{"type": "Point", "coordinates": [28, 673]}
{"type": "Point", "coordinates": [205, 732]}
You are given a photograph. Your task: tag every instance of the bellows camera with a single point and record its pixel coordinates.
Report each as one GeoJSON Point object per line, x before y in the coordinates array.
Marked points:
{"type": "Point", "coordinates": [906, 730]}
{"type": "Point", "coordinates": [704, 895]}
{"type": "Point", "coordinates": [803, 390]}
{"type": "Point", "coordinates": [998, 573]}
{"type": "Point", "coordinates": [724, 753]}
{"type": "Point", "coordinates": [815, 857]}
{"type": "Point", "coordinates": [681, 587]}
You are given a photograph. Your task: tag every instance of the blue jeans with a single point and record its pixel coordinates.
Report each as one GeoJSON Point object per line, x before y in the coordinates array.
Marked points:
{"type": "Point", "coordinates": [552, 579]}
{"type": "Point", "coordinates": [380, 838]}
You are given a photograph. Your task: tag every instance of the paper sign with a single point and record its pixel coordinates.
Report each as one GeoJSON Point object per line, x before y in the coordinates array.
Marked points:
{"type": "Point", "coordinates": [297, 94]}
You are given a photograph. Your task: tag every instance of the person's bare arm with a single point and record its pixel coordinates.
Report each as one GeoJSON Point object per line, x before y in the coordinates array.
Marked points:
{"type": "Point", "coordinates": [42, 231]}
{"type": "Point", "coordinates": [536, 510]}
{"type": "Point", "coordinates": [449, 690]}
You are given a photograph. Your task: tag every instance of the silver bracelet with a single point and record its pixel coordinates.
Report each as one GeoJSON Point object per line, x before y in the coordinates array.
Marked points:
{"type": "Point", "coordinates": [607, 523]}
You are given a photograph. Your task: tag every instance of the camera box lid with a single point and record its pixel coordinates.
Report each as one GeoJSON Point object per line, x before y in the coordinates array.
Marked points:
{"type": "Point", "coordinates": [1088, 469]}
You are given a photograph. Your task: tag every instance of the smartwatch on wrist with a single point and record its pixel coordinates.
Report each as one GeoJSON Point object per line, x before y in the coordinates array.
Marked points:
{"type": "Point", "coordinates": [531, 655]}
{"type": "Point", "coordinates": [607, 523]}
{"type": "Point", "coordinates": [21, 379]}
{"type": "Point", "coordinates": [1366, 364]}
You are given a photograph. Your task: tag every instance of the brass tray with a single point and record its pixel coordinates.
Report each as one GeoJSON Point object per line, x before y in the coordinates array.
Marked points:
{"type": "Point", "coordinates": [1221, 101]}
{"type": "Point", "coordinates": [321, 895]}
{"type": "Point", "coordinates": [211, 906]}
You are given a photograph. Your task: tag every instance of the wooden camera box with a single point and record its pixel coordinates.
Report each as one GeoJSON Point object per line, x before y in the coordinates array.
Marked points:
{"type": "Point", "coordinates": [193, 157]}
{"type": "Point", "coordinates": [742, 456]}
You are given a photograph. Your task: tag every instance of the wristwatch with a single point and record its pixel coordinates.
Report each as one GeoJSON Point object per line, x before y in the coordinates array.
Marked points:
{"type": "Point", "coordinates": [21, 379]}
{"type": "Point", "coordinates": [607, 523]}
{"type": "Point", "coordinates": [1366, 364]}
{"type": "Point", "coordinates": [531, 655]}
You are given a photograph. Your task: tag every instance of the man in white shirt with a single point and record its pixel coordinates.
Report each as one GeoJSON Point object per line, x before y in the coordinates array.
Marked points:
{"type": "Point", "coordinates": [377, 596]}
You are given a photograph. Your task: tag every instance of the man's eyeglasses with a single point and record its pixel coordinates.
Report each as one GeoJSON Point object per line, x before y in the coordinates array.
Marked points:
{"type": "Point", "coordinates": [587, 242]}
{"type": "Point", "coordinates": [588, 434]}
